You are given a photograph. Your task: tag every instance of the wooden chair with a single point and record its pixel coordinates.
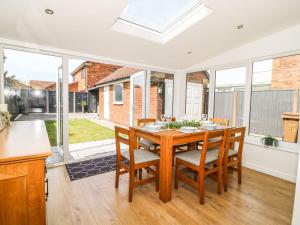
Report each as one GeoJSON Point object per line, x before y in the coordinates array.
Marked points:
{"type": "Point", "coordinates": [148, 145]}
{"type": "Point", "coordinates": [233, 158]}
{"type": "Point", "coordinates": [204, 162]}
{"type": "Point", "coordinates": [220, 121]}
{"type": "Point", "coordinates": [134, 160]}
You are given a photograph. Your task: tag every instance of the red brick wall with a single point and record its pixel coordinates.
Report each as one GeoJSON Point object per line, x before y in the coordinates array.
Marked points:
{"type": "Point", "coordinates": [80, 81]}
{"type": "Point", "coordinates": [156, 102]}
{"type": "Point", "coordinates": [97, 71]}
{"type": "Point", "coordinates": [286, 72]}
{"type": "Point", "coordinates": [73, 87]}
{"type": "Point", "coordinates": [118, 113]}
{"type": "Point", "coordinates": [138, 104]}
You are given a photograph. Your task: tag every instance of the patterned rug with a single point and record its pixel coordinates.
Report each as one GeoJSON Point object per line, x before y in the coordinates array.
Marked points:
{"type": "Point", "coordinates": [91, 167]}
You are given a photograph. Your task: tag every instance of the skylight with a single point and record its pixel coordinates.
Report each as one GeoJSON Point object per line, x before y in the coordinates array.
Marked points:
{"type": "Point", "coordinates": [164, 19]}
{"type": "Point", "coordinates": [157, 15]}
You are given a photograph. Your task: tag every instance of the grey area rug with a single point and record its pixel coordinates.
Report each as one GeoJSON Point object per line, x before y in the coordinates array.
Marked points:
{"type": "Point", "coordinates": [91, 167]}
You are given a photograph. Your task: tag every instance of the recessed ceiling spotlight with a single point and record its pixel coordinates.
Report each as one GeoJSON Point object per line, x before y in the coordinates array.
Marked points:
{"type": "Point", "coordinates": [49, 11]}
{"type": "Point", "coordinates": [239, 27]}
{"type": "Point", "coordinates": [189, 52]}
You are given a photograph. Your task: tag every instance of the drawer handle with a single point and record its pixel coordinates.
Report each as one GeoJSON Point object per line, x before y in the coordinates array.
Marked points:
{"type": "Point", "coordinates": [47, 189]}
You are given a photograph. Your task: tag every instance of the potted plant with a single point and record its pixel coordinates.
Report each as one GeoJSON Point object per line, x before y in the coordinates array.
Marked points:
{"type": "Point", "coordinates": [83, 103]}
{"type": "Point", "coordinates": [269, 141]}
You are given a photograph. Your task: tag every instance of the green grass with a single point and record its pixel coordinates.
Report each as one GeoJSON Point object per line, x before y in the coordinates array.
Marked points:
{"type": "Point", "coordinates": [80, 130]}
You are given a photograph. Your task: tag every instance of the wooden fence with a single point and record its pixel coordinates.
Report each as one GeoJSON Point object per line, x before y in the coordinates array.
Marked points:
{"type": "Point", "coordinates": [267, 107]}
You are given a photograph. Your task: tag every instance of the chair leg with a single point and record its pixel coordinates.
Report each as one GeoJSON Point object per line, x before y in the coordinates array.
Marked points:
{"type": "Point", "coordinates": [140, 174]}
{"type": "Point", "coordinates": [195, 176]}
{"type": "Point", "coordinates": [117, 175]}
{"type": "Point", "coordinates": [225, 177]}
{"type": "Point", "coordinates": [157, 178]}
{"type": "Point", "coordinates": [131, 184]}
{"type": "Point", "coordinates": [219, 180]}
{"type": "Point", "coordinates": [176, 174]}
{"type": "Point", "coordinates": [239, 165]}
{"type": "Point", "coordinates": [201, 189]}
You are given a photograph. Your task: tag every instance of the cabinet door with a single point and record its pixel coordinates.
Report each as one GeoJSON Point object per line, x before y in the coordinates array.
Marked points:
{"type": "Point", "coordinates": [13, 200]}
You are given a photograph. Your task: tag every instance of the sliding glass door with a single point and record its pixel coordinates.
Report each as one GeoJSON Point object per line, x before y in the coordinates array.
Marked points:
{"type": "Point", "coordinates": [137, 95]}
{"type": "Point", "coordinates": [32, 91]}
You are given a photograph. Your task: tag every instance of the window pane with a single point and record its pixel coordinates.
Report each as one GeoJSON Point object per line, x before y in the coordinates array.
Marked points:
{"type": "Point", "coordinates": [275, 84]}
{"type": "Point", "coordinates": [118, 93]}
{"type": "Point", "coordinates": [161, 94]}
{"type": "Point", "coordinates": [229, 95]}
{"type": "Point", "coordinates": [157, 15]}
{"type": "Point", "coordinates": [197, 89]}
{"type": "Point", "coordinates": [32, 91]}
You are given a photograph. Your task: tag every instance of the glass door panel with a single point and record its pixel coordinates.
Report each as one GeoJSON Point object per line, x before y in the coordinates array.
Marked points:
{"type": "Point", "coordinates": [32, 91]}
{"type": "Point", "coordinates": [138, 84]}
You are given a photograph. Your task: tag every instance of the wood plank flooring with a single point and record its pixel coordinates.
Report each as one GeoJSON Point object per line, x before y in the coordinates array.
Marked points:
{"type": "Point", "coordinates": [261, 199]}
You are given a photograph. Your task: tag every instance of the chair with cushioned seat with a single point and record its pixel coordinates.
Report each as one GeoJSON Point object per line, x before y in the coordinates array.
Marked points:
{"type": "Point", "coordinates": [232, 158]}
{"type": "Point", "coordinates": [203, 162]}
{"type": "Point", "coordinates": [148, 145]}
{"type": "Point", "coordinates": [134, 160]}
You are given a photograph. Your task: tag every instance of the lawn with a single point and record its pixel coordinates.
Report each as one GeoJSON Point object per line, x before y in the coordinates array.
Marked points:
{"type": "Point", "coordinates": [80, 130]}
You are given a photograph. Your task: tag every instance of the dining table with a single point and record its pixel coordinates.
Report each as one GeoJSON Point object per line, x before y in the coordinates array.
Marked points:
{"type": "Point", "coordinates": [167, 139]}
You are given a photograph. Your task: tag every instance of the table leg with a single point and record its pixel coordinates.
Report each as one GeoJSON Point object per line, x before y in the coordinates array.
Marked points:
{"type": "Point", "coordinates": [165, 178]}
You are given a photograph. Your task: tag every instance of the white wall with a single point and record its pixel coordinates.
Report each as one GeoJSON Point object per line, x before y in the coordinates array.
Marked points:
{"type": "Point", "coordinates": [276, 162]}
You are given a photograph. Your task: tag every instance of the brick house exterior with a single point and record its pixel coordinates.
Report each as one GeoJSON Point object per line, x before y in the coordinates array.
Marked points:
{"type": "Point", "coordinates": [89, 73]}
{"type": "Point", "coordinates": [286, 72]}
{"type": "Point", "coordinates": [120, 113]}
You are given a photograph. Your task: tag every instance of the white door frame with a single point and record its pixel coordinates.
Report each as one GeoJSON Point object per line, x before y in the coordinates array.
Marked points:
{"type": "Point", "coordinates": [131, 112]}
{"type": "Point", "coordinates": [106, 104]}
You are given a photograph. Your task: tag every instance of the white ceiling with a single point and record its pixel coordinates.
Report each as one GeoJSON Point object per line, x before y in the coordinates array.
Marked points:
{"type": "Point", "coordinates": [85, 26]}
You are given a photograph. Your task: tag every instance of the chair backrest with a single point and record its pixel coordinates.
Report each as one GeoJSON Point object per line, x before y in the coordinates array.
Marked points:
{"type": "Point", "coordinates": [213, 140]}
{"type": "Point", "coordinates": [235, 135]}
{"type": "Point", "coordinates": [141, 122]}
{"type": "Point", "coordinates": [124, 136]}
{"type": "Point", "coordinates": [220, 121]}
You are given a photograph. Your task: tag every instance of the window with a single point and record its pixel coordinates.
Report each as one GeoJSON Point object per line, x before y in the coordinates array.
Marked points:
{"type": "Point", "coordinates": [275, 98]}
{"type": "Point", "coordinates": [83, 73]}
{"type": "Point", "coordinates": [158, 20]}
{"type": "Point", "coordinates": [161, 94]}
{"type": "Point", "coordinates": [118, 94]}
{"type": "Point", "coordinates": [197, 90]}
{"type": "Point", "coordinates": [229, 95]}
{"type": "Point", "coordinates": [155, 14]}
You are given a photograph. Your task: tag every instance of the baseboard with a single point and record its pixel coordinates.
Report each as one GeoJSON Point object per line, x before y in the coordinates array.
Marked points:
{"type": "Point", "coordinates": [271, 172]}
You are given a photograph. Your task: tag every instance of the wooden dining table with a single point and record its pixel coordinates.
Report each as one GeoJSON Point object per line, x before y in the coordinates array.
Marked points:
{"type": "Point", "coordinates": [167, 140]}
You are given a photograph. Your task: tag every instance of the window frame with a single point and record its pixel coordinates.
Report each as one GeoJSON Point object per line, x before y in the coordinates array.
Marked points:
{"type": "Point", "coordinates": [114, 94]}
{"type": "Point", "coordinates": [248, 63]}
{"type": "Point", "coordinates": [231, 66]}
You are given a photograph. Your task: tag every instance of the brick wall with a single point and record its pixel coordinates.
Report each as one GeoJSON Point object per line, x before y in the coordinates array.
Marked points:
{"type": "Point", "coordinates": [73, 87]}
{"type": "Point", "coordinates": [138, 104]}
{"type": "Point", "coordinates": [286, 72]}
{"type": "Point", "coordinates": [196, 77]}
{"type": "Point", "coordinates": [97, 71]}
{"type": "Point", "coordinates": [80, 81]}
{"type": "Point", "coordinates": [118, 113]}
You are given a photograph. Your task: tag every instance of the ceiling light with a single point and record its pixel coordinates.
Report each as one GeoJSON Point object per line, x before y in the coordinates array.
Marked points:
{"type": "Point", "coordinates": [239, 27]}
{"type": "Point", "coordinates": [189, 52]}
{"type": "Point", "coordinates": [49, 11]}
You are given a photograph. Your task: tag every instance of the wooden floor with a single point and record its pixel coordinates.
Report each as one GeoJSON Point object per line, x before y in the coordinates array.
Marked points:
{"type": "Point", "coordinates": [261, 199]}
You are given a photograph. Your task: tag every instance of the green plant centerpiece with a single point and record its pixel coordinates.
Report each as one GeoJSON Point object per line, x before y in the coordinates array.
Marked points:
{"type": "Point", "coordinates": [184, 123]}
{"type": "Point", "coordinates": [269, 141]}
